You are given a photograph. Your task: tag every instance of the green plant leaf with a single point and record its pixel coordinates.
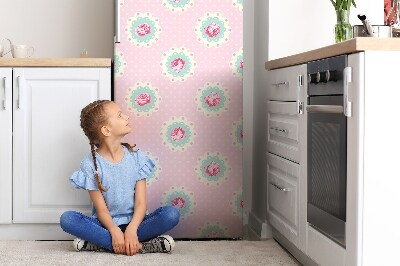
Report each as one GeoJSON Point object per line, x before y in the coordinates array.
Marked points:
{"type": "Point", "coordinates": [343, 4]}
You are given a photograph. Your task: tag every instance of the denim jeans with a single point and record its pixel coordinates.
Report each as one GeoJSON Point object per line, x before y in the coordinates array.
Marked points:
{"type": "Point", "coordinates": [90, 229]}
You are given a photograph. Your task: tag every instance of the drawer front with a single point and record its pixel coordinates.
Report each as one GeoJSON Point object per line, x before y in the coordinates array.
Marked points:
{"type": "Point", "coordinates": [283, 83]}
{"type": "Point", "coordinates": [283, 196]}
{"type": "Point", "coordinates": [283, 130]}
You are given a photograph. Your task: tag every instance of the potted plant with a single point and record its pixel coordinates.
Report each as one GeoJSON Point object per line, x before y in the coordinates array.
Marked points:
{"type": "Point", "coordinates": [343, 29]}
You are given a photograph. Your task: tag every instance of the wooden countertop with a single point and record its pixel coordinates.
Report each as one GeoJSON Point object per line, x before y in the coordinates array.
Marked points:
{"type": "Point", "coordinates": [348, 47]}
{"type": "Point", "coordinates": [55, 62]}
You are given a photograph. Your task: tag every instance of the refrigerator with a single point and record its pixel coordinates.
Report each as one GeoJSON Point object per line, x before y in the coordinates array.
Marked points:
{"type": "Point", "coordinates": [178, 68]}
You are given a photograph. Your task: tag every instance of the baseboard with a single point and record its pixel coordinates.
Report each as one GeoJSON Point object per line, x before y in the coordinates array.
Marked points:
{"type": "Point", "coordinates": [292, 249]}
{"type": "Point", "coordinates": [262, 229]}
{"type": "Point", "coordinates": [33, 232]}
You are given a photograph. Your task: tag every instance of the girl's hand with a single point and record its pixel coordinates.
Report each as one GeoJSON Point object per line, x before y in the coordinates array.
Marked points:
{"type": "Point", "coordinates": [118, 241]}
{"type": "Point", "coordinates": [132, 244]}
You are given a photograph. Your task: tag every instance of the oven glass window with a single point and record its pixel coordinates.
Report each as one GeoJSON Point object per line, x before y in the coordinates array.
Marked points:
{"type": "Point", "coordinates": [327, 163]}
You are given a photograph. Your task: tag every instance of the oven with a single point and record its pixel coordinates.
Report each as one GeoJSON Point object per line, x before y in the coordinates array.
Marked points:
{"type": "Point", "coordinates": [327, 148]}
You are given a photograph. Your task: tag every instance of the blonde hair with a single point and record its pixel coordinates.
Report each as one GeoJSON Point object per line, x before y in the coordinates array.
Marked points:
{"type": "Point", "coordinates": [93, 117]}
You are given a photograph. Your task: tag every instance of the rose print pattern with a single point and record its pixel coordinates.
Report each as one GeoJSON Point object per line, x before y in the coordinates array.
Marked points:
{"type": "Point", "coordinates": [180, 198]}
{"type": "Point", "coordinates": [143, 99]}
{"type": "Point", "coordinates": [182, 87]}
{"type": "Point", "coordinates": [238, 4]}
{"type": "Point", "coordinates": [143, 30]}
{"type": "Point", "coordinates": [212, 30]}
{"type": "Point", "coordinates": [212, 99]}
{"type": "Point", "coordinates": [237, 203]}
{"type": "Point", "coordinates": [237, 134]}
{"type": "Point", "coordinates": [212, 230]}
{"type": "Point", "coordinates": [154, 176]}
{"type": "Point", "coordinates": [177, 5]}
{"type": "Point", "coordinates": [237, 64]}
{"type": "Point", "coordinates": [119, 64]}
{"type": "Point", "coordinates": [177, 134]}
{"type": "Point", "coordinates": [212, 169]}
{"type": "Point", "coordinates": [178, 64]}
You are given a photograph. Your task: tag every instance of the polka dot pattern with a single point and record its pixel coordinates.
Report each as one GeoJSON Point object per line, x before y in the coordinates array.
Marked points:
{"type": "Point", "coordinates": [178, 73]}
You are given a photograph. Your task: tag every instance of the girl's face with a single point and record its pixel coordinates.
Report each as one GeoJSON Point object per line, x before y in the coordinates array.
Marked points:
{"type": "Point", "coordinates": [117, 122]}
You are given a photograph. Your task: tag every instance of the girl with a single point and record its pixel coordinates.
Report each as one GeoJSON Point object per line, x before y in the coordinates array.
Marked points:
{"type": "Point", "coordinates": [115, 177]}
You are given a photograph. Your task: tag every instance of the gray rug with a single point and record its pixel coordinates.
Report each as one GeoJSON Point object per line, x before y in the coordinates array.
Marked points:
{"type": "Point", "coordinates": [191, 253]}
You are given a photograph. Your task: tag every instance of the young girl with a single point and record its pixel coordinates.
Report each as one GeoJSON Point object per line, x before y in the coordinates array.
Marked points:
{"type": "Point", "coordinates": [115, 177]}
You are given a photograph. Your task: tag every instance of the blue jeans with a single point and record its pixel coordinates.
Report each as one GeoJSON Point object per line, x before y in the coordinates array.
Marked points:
{"type": "Point", "coordinates": [90, 229]}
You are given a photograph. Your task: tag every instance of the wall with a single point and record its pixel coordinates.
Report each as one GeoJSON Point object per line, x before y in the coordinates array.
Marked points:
{"type": "Point", "coordinates": [60, 28]}
{"type": "Point", "coordinates": [259, 197]}
{"type": "Point", "coordinates": [248, 103]}
{"type": "Point", "coordinates": [299, 26]}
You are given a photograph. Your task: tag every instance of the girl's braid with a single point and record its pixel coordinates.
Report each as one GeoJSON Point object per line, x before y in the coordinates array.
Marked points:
{"type": "Point", "coordinates": [128, 146]}
{"type": "Point", "coordinates": [96, 173]}
{"type": "Point", "coordinates": [92, 118]}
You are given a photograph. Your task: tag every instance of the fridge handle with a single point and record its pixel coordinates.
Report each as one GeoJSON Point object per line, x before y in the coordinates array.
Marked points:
{"type": "Point", "coordinates": [117, 21]}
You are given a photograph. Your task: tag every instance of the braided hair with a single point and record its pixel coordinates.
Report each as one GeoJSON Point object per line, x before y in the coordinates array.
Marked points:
{"type": "Point", "coordinates": [93, 117]}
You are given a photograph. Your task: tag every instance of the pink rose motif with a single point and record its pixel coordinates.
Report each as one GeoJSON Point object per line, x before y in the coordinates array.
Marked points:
{"type": "Point", "coordinates": [177, 134]}
{"type": "Point", "coordinates": [241, 64]}
{"type": "Point", "coordinates": [176, 1]}
{"type": "Point", "coordinates": [143, 99]}
{"type": "Point", "coordinates": [212, 99]}
{"type": "Point", "coordinates": [213, 169]}
{"type": "Point", "coordinates": [179, 202]}
{"type": "Point", "coordinates": [241, 133]}
{"type": "Point", "coordinates": [143, 29]}
{"type": "Point", "coordinates": [212, 234]}
{"type": "Point", "coordinates": [212, 30]}
{"type": "Point", "coordinates": [178, 64]}
{"type": "Point", "coordinates": [241, 204]}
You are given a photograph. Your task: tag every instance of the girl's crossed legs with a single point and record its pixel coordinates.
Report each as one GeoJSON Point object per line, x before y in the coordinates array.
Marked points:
{"type": "Point", "coordinates": [90, 229]}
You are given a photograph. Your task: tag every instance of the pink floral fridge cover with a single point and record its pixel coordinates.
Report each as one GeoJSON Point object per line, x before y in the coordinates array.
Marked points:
{"type": "Point", "coordinates": [178, 75]}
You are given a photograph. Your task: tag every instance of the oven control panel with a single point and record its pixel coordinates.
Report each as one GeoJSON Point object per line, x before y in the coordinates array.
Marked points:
{"type": "Point", "coordinates": [325, 76]}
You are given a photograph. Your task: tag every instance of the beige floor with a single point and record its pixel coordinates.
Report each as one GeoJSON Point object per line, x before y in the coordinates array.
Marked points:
{"type": "Point", "coordinates": [240, 252]}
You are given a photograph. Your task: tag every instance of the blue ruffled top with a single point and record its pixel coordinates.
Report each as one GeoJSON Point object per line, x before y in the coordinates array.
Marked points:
{"type": "Point", "coordinates": [118, 178]}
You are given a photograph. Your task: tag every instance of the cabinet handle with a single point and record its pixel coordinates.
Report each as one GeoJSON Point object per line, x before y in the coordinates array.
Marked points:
{"type": "Point", "coordinates": [286, 83]}
{"type": "Point", "coordinates": [334, 109]}
{"type": "Point", "coordinates": [20, 88]}
{"type": "Point", "coordinates": [279, 187]}
{"type": "Point", "coordinates": [5, 93]}
{"type": "Point", "coordinates": [280, 129]}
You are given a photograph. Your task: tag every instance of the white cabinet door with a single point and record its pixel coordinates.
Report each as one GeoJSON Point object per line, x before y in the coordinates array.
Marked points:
{"type": "Point", "coordinates": [283, 196]}
{"type": "Point", "coordinates": [5, 146]}
{"type": "Point", "coordinates": [48, 142]}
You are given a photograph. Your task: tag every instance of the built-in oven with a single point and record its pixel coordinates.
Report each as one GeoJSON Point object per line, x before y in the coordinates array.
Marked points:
{"type": "Point", "coordinates": [327, 148]}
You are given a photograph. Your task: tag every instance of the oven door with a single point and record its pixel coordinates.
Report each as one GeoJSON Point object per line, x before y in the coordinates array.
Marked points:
{"type": "Point", "coordinates": [326, 166]}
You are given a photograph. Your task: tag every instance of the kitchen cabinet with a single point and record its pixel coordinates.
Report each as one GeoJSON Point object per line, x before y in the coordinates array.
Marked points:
{"type": "Point", "coordinates": [285, 122]}
{"type": "Point", "coordinates": [42, 144]}
{"type": "Point", "coordinates": [371, 108]}
{"type": "Point", "coordinates": [6, 146]}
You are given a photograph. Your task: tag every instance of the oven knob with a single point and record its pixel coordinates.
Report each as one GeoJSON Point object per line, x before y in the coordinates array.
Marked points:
{"type": "Point", "coordinates": [314, 78]}
{"type": "Point", "coordinates": [324, 76]}
{"type": "Point", "coordinates": [333, 76]}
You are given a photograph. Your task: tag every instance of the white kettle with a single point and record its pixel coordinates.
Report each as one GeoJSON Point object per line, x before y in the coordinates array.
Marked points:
{"type": "Point", "coordinates": [2, 53]}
